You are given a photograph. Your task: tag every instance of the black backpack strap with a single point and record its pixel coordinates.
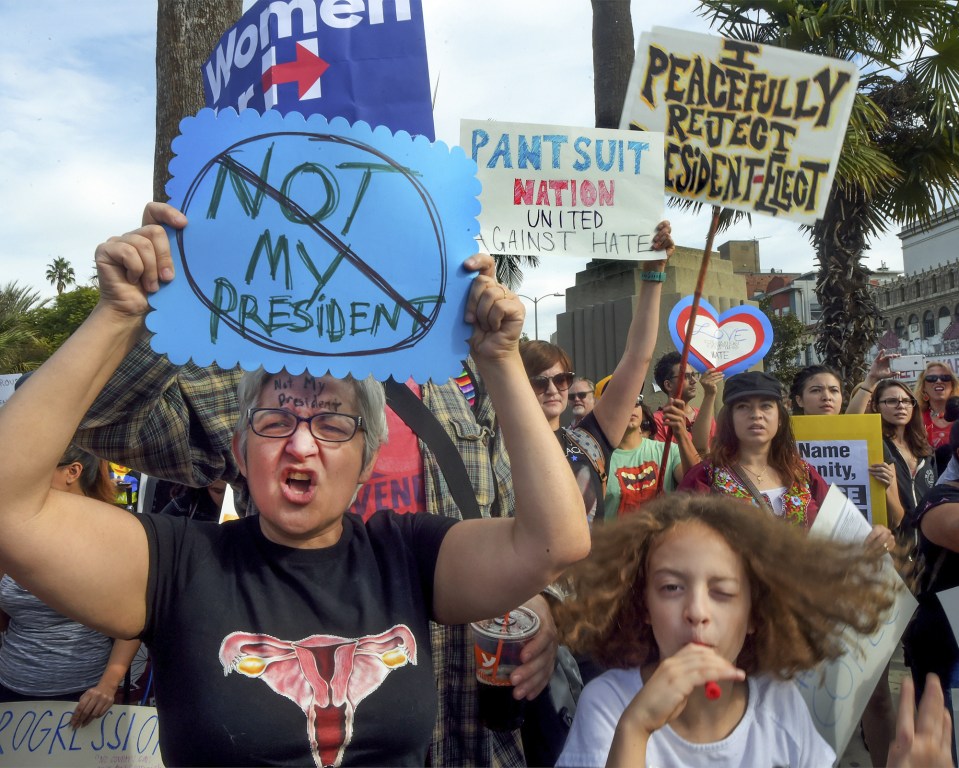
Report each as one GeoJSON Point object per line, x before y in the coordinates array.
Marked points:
{"type": "Point", "coordinates": [427, 428]}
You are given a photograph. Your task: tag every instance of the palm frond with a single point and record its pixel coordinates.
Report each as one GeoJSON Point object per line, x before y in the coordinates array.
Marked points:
{"type": "Point", "coordinates": [727, 216]}
{"type": "Point", "coordinates": [509, 268]}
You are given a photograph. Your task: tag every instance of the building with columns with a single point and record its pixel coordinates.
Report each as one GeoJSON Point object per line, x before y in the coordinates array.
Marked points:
{"type": "Point", "coordinates": [920, 309]}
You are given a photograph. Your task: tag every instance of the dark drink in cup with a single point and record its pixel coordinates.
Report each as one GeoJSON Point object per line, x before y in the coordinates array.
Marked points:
{"type": "Point", "coordinates": [498, 710]}
{"type": "Point", "coordinates": [497, 644]}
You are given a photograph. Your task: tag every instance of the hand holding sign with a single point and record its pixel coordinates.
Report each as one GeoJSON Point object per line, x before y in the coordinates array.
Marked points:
{"type": "Point", "coordinates": [730, 341]}
{"type": "Point", "coordinates": [317, 245]}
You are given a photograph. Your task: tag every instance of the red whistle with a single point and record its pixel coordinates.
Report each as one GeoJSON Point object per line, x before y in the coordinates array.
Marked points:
{"type": "Point", "coordinates": [713, 691]}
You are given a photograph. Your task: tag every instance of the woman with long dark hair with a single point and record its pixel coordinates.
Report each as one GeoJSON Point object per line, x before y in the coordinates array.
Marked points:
{"type": "Point", "coordinates": [754, 454]}
{"type": "Point", "coordinates": [817, 391]}
{"type": "Point", "coordinates": [905, 440]}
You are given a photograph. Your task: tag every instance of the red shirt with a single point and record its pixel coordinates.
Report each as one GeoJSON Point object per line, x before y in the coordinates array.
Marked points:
{"type": "Point", "coordinates": [937, 435]}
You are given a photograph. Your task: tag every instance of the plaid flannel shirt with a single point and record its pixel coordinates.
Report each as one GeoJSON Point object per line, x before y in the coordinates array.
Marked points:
{"type": "Point", "coordinates": [176, 422]}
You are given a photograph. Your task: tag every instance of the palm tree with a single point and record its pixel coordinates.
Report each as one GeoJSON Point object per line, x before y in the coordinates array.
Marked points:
{"type": "Point", "coordinates": [20, 348]}
{"type": "Point", "coordinates": [60, 274]}
{"type": "Point", "coordinates": [187, 30]}
{"type": "Point", "coordinates": [900, 157]}
{"type": "Point", "coordinates": [509, 268]}
{"type": "Point", "coordinates": [612, 59]}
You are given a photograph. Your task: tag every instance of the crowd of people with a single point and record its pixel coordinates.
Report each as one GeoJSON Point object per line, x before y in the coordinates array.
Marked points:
{"type": "Point", "coordinates": [321, 629]}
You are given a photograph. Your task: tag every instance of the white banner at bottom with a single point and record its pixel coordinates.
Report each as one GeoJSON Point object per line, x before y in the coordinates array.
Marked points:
{"type": "Point", "coordinates": [38, 733]}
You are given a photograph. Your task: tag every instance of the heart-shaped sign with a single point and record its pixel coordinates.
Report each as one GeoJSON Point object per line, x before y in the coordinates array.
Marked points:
{"type": "Point", "coordinates": [731, 341]}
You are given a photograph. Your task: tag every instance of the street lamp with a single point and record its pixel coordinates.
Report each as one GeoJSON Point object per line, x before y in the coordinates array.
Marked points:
{"type": "Point", "coordinates": [536, 302]}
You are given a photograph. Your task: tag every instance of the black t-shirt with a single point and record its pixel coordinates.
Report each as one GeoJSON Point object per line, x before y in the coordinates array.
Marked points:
{"type": "Point", "coordinates": [588, 480]}
{"type": "Point", "coordinates": [929, 639]}
{"type": "Point", "coordinates": [259, 648]}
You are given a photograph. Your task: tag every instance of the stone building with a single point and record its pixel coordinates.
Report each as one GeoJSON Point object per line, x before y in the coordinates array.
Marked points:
{"type": "Point", "coordinates": [920, 309]}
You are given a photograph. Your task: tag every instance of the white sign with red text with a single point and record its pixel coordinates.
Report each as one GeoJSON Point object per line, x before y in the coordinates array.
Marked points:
{"type": "Point", "coordinates": [549, 189]}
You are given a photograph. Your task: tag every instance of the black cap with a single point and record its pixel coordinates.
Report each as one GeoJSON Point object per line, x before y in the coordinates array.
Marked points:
{"type": "Point", "coordinates": [750, 384]}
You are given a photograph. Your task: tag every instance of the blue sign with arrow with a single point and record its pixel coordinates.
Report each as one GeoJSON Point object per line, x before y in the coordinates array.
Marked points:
{"type": "Point", "coordinates": [358, 59]}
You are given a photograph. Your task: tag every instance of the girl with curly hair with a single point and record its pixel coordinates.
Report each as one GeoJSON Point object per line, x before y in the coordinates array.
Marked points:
{"type": "Point", "coordinates": [705, 589]}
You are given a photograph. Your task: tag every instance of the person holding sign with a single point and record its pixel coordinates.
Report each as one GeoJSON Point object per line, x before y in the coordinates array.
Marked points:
{"type": "Point", "coordinates": [176, 422]}
{"type": "Point", "coordinates": [300, 634]}
{"type": "Point", "coordinates": [701, 589]}
{"type": "Point", "coordinates": [754, 455]}
{"type": "Point", "coordinates": [590, 444]}
{"type": "Point", "coordinates": [666, 376]}
{"type": "Point", "coordinates": [817, 391]}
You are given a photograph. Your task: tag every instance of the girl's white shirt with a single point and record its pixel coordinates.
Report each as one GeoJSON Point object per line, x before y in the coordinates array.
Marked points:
{"type": "Point", "coordinates": [776, 730]}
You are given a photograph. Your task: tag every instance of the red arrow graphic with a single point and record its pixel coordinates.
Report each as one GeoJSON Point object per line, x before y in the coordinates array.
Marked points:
{"type": "Point", "coordinates": [305, 71]}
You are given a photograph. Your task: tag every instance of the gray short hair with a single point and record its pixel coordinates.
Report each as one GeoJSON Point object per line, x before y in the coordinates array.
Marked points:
{"type": "Point", "coordinates": [370, 400]}
{"type": "Point", "coordinates": [588, 382]}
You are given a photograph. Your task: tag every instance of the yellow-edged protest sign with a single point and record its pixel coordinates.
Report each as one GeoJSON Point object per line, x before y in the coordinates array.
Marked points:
{"type": "Point", "coordinates": [841, 448]}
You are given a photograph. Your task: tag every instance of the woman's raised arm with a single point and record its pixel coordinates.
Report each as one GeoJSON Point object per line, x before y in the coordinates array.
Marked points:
{"type": "Point", "coordinates": [86, 559]}
{"type": "Point", "coordinates": [487, 567]}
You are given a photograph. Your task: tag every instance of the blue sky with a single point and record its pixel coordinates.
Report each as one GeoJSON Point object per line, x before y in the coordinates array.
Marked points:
{"type": "Point", "coordinates": [77, 85]}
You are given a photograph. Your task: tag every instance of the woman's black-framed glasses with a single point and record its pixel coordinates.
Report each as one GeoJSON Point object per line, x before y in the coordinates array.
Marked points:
{"type": "Point", "coordinates": [561, 380]}
{"type": "Point", "coordinates": [932, 378]}
{"type": "Point", "coordinates": [328, 427]}
{"type": "Point", "coordinates": [892, 402]}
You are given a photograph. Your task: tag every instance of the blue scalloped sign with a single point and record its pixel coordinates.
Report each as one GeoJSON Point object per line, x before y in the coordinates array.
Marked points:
{"type": "Point", "coordinates": [730, 341]}
{"type": "Point", "coordinates": [316, 245]}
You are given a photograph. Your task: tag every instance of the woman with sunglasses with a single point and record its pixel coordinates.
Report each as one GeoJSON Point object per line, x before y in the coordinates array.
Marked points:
{"type": "Point", "coordinates": [932, 391]}
{"type": "Point", "coordinates": [550, 373]}
{"type": "Point", "coordinates": [634, 468]}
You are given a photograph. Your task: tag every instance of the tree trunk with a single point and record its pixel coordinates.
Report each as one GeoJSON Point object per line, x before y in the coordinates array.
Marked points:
{"type": "Point", "coordinates": [849, 324]}
{"type": "Point", "coordinates": [187, 31]}
{"type": "Point", "coordinates": [612, 59]}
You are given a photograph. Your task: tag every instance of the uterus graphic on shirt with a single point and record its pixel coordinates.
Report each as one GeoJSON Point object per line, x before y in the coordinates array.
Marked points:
{"type": "Point", "coordinates": [326, 675]}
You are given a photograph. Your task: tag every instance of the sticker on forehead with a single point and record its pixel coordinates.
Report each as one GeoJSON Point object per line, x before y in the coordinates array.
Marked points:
{"type": "Point", "coordinates": [319, 246]}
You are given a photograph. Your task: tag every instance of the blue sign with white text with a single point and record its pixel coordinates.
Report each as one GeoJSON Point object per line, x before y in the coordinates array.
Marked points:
{"type": "Point", "coordinates": [358, 59]}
